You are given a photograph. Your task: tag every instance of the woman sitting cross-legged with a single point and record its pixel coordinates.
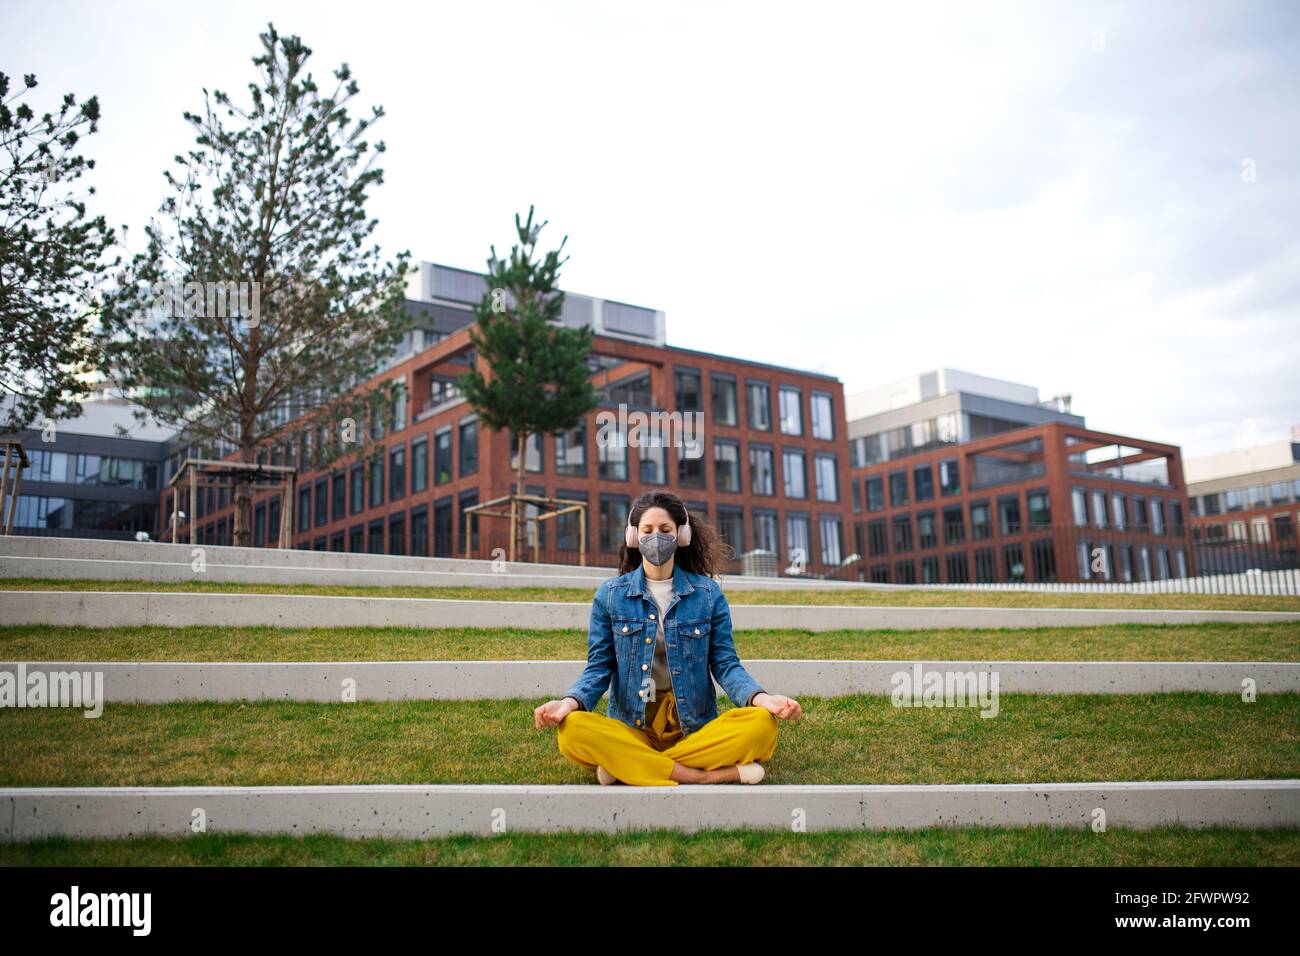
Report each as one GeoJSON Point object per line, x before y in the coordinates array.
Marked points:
{"type": "Point", "coordinates": [660, 633]}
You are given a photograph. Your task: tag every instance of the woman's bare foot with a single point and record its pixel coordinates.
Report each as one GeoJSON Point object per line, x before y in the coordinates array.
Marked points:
{"type": "Point", "coordinates": [684, 774]}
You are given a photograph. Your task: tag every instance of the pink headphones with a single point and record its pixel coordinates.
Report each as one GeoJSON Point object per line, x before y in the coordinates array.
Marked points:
{"type": "Point", "coordinates": [632, 538]}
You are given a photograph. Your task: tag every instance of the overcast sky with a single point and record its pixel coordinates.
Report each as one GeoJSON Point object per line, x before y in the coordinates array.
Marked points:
{"type": "Point", "coordinates": [1058, 194]}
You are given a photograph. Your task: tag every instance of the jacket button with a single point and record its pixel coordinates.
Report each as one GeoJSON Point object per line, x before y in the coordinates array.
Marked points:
{"type": "Point", "coordinates": [697, 630]}
{"type": "Point", "coordinates": [624, 628]}
{"type": "Point", "coordinates": [652, 617]}
{"type": "Point", "coordinates": [647, 640]}
{"type": "Point", "coordinates": [645, 667]}
{"type": "Point", "coordinates": [640, 693]}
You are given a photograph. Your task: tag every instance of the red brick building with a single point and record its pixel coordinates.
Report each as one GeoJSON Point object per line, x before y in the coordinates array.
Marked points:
{"type": "Point", "coordinates": [1045, 502]}
{"type": "Point", "coordinates": [772, 476]}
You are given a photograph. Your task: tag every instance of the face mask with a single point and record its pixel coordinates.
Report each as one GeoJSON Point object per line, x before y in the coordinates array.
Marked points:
{"type": "Point", "coordinates": [658, 547]}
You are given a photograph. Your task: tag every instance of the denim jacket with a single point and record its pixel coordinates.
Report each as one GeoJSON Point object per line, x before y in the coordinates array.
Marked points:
{"type": "Point", "coordinates": [697, 641]}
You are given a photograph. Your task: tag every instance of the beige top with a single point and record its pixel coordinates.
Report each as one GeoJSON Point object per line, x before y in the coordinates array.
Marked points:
{"type": "Point", "coordinates": [662, 592]}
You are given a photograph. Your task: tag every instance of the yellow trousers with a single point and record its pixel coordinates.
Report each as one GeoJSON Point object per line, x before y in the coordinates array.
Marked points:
{"type": "Point", "coordinates": [645, 757]}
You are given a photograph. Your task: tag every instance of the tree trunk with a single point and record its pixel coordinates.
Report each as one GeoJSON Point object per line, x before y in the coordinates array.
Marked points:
{"type": "Point", "coordinates": [242, 534]}
{"type": "Point", "coordinates": [520, 537]}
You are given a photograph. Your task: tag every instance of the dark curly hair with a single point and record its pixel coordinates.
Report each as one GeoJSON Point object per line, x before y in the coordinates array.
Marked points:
{"type": "Point", "coordinates": [700, 556]}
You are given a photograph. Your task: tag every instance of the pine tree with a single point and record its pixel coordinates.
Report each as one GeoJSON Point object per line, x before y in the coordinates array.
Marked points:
{"type": "Point", "coordinates": [260, 309]}
{"type": "Point", "coordinates": [538, 378]}
{"type": "Point", "coordinates": [53, 257]}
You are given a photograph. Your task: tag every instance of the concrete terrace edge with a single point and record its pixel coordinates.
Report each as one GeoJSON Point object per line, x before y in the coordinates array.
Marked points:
{"type": "Point", "coordinates": [424, 811]}
{"type": "Point", "coordinates": [196, 608]}
{"type": "Point", "coordinates": [158, 682]}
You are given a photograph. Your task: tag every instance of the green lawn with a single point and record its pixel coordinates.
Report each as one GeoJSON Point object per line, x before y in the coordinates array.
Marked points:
{"type": "Point", "coordinates": [839, 740]}
{"type": "Point", "coordinates": [992, 846]}
{"type": "Point", "coordinates": [1134, 642]}
{"type": "Point", "coordinates": [846, 597]}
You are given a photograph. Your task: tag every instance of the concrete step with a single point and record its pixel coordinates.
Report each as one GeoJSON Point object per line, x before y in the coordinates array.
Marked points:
{"type": "Point", "coordinates": [419, 811]}
{"type": "Point", "coordinates": [179, 609]}
{"type": "Point", "coordinates": [334, 681]}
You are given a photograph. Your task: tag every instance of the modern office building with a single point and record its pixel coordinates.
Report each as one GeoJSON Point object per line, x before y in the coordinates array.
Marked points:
{"type": "Point", "coordinates": [961, 478]}
{"type": "Point", "coordinates": [1244, 506]}
{"type": "Point", "coordinates": [760, 449]}
{"type": "Point", "coordinates": [88, 479]}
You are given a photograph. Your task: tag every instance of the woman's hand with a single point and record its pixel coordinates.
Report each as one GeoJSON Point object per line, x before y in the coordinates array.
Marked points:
{"type": "Point", "coordinates": [553, 712]}
{"type": "Point", "coordinates": [779, 706]}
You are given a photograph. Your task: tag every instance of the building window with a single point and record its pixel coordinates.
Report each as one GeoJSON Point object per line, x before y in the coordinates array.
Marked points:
{"type": "Point", "coordinates": [357, 538]}
{"type": "Point", "coordinates": [823, 416]}
{"type": "Point", "coordinates": [831, 532]}
{"type": "Point", "coordinates": [611, 458]}
{"type": "Point", "coordinates": [986, 569]}
{"type": "Point", "coordinates": [613, 521]}
{"type": "Point", "coordinates": [903, 533]}
{"type": "Point", "coordinates": [875, 486]}
{"type": "Point", "coordinates": [905, 572]}
{"type": "Point", "coordinates": [825, 476]}
{"type": "Point", "coordinates": [954, 527]}
{"type": "Point", "coordinates": [469, 448]}
{"type": "Point", "coordinates": [259, 526]}
{"type": "Point", "coordinates": [795, 473]}
{"type": "Point", "coordinates": [949, 479]}
{"type": "Point", "coordinates": [724, 400]}
{"type": "Point", "coordinates": [957, 570]}
{"type": "Point", "coordinates": [765, 531]}
{"type": "Point", "coordinates": [1099, 509]}
{"type": "Point", "coordinates": [420, 531]}
{"type": "Point", "coordinates": [925, 531]}
{"type": "Point", "coordinates": [357, 478]}
{"type": "Point", "coordinates": [1118, 510]}
{"type": "Point", "coordinates": [375, 539]}
{"type": "Point", "coordinates": [338, 497]}
{"type": "Point", "coordinates": [1013, 561]}
{"type": "Point", "coordinates": [533, 459]}
{"type": "Point", "coordinates": [731, 528]}
{"type": "Point", "coordinates": [877, 537]}
{"type": "Point", "coordinates": [981, 520]}
{"type": "Point", "coordinates": [399, 405]}
{"type": "Point", "coordinates": [652, 462]}
{"type": "Point", "coordinates": [897, 488]}
{"type": "Point", "coordinates": [1009, 515]}
{"type": "Point", "coordinates": [791, 400]}
{"type": "Point", "coordinates": [376, 481]}
{"type": "Point", "coordinates": [322, 503]}
{"type": "Point", "coordinates": [442, 457]}
{"type": "Point", "coordinates": [930, 570]}
{"type": "Point", "coordinates": [761, 470]}
{"type": "Point", "coordinates": [1079, 501]}
{"type": "Point", "coordinates": [798, 547]}
{"type": "Point", "coordinates": [1158, 521]}
{"type": "Point", "coordinates": [923, 479]}
{"type": "Point", "coordinates": [571, 452]}
{"type": "Point", "coordinates": [419, 467]}
{"type": "Point", "coordinates": [397, 534]}
{"type": "Point", "coordinates": [1044, 558]}
{"type": "Point", "coordinates": [686, 390]}
{"type": "Point", "coordinates": [1040, 511]}
{"type": "Point", "coordinates": [690, 471]}
{"type": "Point", "coordinates": [857, 496]}
{"type": "Point", "coordinates": [758, 399]}
{"type": "Point", "coordinates": [304, 508]}
{"type": "Point", "coordinates": [726, 465]}
{"type": "Point", "coordinates": [397, 474]}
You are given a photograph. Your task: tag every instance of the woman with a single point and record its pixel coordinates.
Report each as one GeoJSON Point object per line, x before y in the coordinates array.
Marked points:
{"type": "Point", "coordinates": [661, 631]}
